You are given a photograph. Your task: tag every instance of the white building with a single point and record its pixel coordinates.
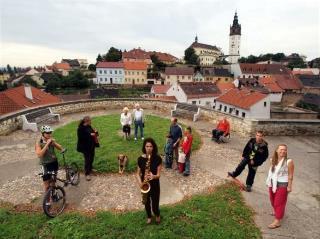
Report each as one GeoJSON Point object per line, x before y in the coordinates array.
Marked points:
{"type": "Point", "coordinates": [234, 41]}
{"type": "Point", "coordinates": [244, 103]}
{"type": "Point", "coordinates": [110, 73]}
{"type": "Point", "coordinates": [200, 93]}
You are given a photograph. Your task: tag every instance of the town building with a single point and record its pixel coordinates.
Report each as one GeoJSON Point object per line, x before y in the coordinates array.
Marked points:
{"type": "Point", "coordinates": [198, 93]}
{"type": "Point", "coordinates": [234, 40]}
{"type": "Point", "coordinates": [137, 55]}
{"type": "Point", "coordinates": [110, 73]}
{"type": "Point", "coordinates": [244, 103]}
{"type": "Point", "coordinates": [73, 63]}
{"type": "Point", "coordinates": [135, 72]}
{"type": "Point", "coordinates": [61, 68]}
{"type": "Point", "coordinates": [207, 54]}
{"type": "Point", "coordinates": [215, 74]}
{"type": "Point", "coordinates": [159, 90]}
{"type": "Point", "coordinates": [177, 74]}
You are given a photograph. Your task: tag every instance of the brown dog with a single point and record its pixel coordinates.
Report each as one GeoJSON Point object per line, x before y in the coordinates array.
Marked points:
{"type": "Point", "coordinates": [122, 159]}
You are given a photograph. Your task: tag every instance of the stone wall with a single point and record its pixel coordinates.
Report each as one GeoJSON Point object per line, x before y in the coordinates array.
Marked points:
{"type": "Point", "coordinates": [12, 122]}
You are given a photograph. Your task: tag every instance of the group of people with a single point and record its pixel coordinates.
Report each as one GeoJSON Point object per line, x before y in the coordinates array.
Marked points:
{"type": "Point", "coordinates": [177, 156]}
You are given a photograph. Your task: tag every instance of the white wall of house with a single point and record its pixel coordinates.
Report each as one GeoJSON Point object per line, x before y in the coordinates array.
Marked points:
{"type": "Point", "coordinates": [176, 90]}
{"type": "Point", "coordinates": [275, 97]}
{"type": "Point", "coordinates": [207, 101]}
{"type": "Point", "coordinates": [235, 70]}
{"type": "Point", "coordinates": [170, 79]}
{"type": "Point", "coordinates": [110, 76]}
{"type": "Point", "coordinates": [260, 110]}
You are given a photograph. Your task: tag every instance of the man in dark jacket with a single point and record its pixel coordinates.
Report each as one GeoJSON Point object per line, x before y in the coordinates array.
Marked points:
{"type": "Point", "coordinates": [254, 154]}
{"type": "Point", "coordinates": [176, 133]}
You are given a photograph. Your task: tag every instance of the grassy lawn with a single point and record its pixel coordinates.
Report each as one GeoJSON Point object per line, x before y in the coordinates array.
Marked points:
{"type": "Point", "coordinates": [219, 214]}
{"type": "Point", "coordinates": [112, 143]}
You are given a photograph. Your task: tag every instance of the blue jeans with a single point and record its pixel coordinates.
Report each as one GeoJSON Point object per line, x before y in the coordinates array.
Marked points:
{"type": "Point", "coordinates": [136, 125]}
{"type": "Point", "coordinates": [187, 164]}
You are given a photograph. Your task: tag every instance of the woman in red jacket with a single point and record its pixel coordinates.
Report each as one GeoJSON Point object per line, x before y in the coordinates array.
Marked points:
{"type": "Point", "coordinates": [186, 148]}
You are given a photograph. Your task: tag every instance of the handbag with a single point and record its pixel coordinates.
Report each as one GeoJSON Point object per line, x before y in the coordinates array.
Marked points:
{"type": "Point", "coordinates": [181, 157]}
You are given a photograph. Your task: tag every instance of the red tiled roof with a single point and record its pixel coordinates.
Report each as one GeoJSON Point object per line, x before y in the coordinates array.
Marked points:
{"type": "Point", "coordinates": [249, 68]}
{"type": "Point", "coordinates": [270, 83]}
{"type": "Point", "coordinates": [135, 65]}
{"type": "Point", "coordinates": [136, 54]}
{"type": "Point", "coordinates": [242, 98]}
{"type": "Point", "coordinates": [302, 72]}
{"type": "Point", "coordinates": [179, 71]}
{"type": "Point", "coordinates": [225, 86]}
{"type": "Point", "coordinates": [288, 82]}
{"type": "Point", "coordinates": [61, 66]}
{"type": "Point", "coordinates": [14, 99]}
{"type": "Point", "coordinates": [163, 56]}
{"type": "Point", "coordinates": [160, 89]}
{"type": "Point", "coordinates": [164, 98]}
{"type": "Point", "coordinates": [205, 46]}
{"type": "Point", "coordinates": [105, 64]}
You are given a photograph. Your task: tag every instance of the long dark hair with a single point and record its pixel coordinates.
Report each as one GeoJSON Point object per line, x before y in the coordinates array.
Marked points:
{"type": "Point", "coordinates": [86, 118]}
{"type": "Point", "coordinates": [154, 145]}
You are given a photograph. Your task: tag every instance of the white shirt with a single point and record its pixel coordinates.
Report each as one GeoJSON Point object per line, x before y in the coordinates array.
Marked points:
{"type": "Point", "coordinates": [125, 119]}
{"type": "Point", "coordinates": [280, 174]}
{"type": "Point", "coordinates": [138, 114]}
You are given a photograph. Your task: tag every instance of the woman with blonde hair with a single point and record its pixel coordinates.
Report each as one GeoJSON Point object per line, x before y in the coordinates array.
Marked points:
{"type": "Point", "coordinates": [279, 181]}
{"type": "Point", "coordinates": [126, 120]}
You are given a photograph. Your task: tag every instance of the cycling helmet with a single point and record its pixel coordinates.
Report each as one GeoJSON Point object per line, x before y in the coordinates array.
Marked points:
{"type": "Point", "coordinates": [46, 129]}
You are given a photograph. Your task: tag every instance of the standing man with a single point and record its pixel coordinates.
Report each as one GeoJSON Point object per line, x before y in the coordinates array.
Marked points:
{"type": "Point", "coordinates": [254, 154]}
{"type": "Point", "coordinates": [138, 119]}
{"type": "Point", "coordinates": [176, 133]}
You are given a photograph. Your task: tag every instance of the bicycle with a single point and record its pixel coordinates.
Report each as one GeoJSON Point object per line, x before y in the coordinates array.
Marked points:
{"type": "Point", "coordinates": [54, 200]}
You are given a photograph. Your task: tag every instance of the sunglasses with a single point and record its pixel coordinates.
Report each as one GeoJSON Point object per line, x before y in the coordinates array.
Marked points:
{"type": "Point", "coordinates": [48, 132]}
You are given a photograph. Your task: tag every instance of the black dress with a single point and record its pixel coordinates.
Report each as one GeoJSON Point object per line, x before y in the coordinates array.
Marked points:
{"type": "Point", "coordinates": [86, 145]}
{"type": "Point", "coordinates": [153, 197]}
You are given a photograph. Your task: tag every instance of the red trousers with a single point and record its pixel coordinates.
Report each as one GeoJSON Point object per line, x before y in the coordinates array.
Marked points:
{"type": "Point", "coordinates": [278, 201]}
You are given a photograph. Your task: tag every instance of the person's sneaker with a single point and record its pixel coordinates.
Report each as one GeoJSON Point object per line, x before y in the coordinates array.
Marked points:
{"type": "Point", "coordinates": [230, 174]}
{"type": "Point", "coordinates": [142, 138]}
{"type": "Point", "coordinates": [248, 188]}
{"type": "Point", "coordinates": [88, 178]}
{"type": "Point", "coordinates": [135, 139]}
{"type": "Point", "coordinates": [186, 174]}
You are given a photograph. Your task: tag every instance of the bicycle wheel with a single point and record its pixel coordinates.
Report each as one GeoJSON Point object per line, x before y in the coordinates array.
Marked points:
{"type": "Point", "coordinates": [73, 174]}
{"type": "Point", "coordinates": [54, 201]}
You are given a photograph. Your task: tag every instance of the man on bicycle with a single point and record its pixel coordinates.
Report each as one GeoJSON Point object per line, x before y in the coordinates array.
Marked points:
{"type": "Point", "coordinates": [45, 151]}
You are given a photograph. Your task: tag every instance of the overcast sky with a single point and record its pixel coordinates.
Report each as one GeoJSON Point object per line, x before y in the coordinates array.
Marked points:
{"type": "Point", "coordinates": [38, 32]}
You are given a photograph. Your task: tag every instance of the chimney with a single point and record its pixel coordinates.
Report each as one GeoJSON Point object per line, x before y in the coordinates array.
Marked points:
{"type": "Point", "coordinates": [28, 91]}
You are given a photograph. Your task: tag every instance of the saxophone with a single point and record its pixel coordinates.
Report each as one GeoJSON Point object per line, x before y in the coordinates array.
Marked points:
{"type": "Point", "coordinates": [145, 187]}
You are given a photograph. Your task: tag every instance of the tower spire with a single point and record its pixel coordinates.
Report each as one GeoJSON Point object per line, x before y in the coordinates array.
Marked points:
{"type": "Point", "coordinates": [196, 38]}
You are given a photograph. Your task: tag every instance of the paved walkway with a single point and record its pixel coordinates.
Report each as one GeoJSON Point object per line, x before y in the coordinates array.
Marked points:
{"type": "Point", "coordinates": [18, 169]}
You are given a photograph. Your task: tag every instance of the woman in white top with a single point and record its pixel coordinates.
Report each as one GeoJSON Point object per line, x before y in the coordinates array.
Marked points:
{"type": "Point", "coordinates": [279, 181]}
{"type": "Point", "coordinates": [126, 120]}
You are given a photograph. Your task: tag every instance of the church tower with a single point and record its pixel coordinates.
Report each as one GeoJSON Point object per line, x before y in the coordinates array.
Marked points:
{"type": "Point", "coordinates": [234, 40]}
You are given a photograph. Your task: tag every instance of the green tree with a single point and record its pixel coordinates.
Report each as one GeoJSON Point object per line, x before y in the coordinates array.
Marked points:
{"type": "Point", "coordinates": [315, 63]}
{"type": "Point", "coordinates": [3, 86]}
{"type": "Point", "coordinates": [296, 63]}
{"type": "Point", "coordinates": [278, 56]}
{"type": "Point", "coordinates": [221, 61]}
{"type": "Point", "coordinates": [99, 58]}
{"type": "Point", "coordinates": [191, 57]}
{"type": "Point", "coordinates": [92, 67]}
{"type": "Point", "coordinates": [113, 55]}
{"type": "Point", "coordinates": [9, 69]}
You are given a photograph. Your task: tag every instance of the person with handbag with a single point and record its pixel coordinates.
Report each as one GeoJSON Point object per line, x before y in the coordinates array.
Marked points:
{"type": "Point", "coordinates": [186, 149]}
{"type": "Point", "coordinates": [87, 142]}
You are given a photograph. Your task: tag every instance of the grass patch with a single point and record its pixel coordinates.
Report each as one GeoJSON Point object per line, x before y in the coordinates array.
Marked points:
{"type": "Point", "coordinates": [112, 144]}
{"type": "Point", "coordinates": [220, 214]}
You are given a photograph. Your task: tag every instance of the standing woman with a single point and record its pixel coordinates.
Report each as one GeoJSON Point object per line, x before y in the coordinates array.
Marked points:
{"type": "Point", "coordinates": [279, 181]}
{"type": "Point", "coordinates": [152, 175]}
{"type": "Point", "coordinates": [125, 120]}
{"type": "Point", "coordinates": [87, 137]}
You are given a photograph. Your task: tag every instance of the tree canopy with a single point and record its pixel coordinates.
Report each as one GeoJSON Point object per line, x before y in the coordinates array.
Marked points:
{"type": "Point", "coordinates": [191, 57]}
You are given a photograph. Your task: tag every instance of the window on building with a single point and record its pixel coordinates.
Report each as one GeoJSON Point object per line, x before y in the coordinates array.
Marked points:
{"type": "Point", "coordinates": [101, 79]}
{"type": "Point", "coordinates": [194, 102]}
{"type": "Point", "coordinates": [142, 80]}
{"type": "Point", "coordinates": [230, 110]}
{"type": "Point", "coordinates": [237, 112]}
{"type": "Point", "coordinates": [137, 72]}
{"type": "Point", "coordinates": [208, 103]}
{"type": "Point", "coordinates": [137, 80]}
{"type": "Point", "coordinates": [105, 71]}
{"type": "Point", "coordinates": [142, 73]}
{"type": "Point", "coordinates": [218, 78]}
{"type": "Point", "coordinates": [115, 72]}
{"type": "Point", "coordinates": [178, 77]}
{"type": "Point", "coordinates": [120, 71]}
{"type": "Point", "coordinates": [168, 77]}
{"type": "Point", "coordinates": [100, 71]}
{"type": "Point", "coordinates": [182, 77]}
{"type": "Point", "coordinates": [189, 77]}
{"type": "Point", "coordinates": [243, 114]}
{"type": "Point", "coordinates": [265, 104]}
{"type": "Point", "coordinates": [129, 72]}
{"type": "Point", "coordinates": [110, 71]}
{"type": "Point", "coordinates": [225, 108]}
{"type": "Point", "coordinates": [199, 102]}
{"type": "Point", "coordinates": [105, 79]}
{"type": "Point", "coordinates": [132, 73]}
{"type": "Point", "coordinates": [220, 107]}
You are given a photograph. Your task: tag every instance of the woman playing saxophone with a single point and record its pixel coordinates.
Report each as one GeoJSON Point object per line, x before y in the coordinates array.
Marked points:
{"type": "Point", "coordinates": [148, 172]}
